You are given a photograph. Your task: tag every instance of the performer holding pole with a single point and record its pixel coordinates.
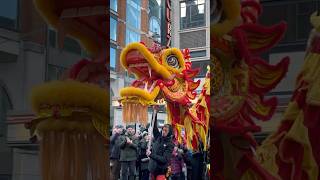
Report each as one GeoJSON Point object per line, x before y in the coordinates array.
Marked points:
{"type": "Point", "coordinates": [161, 151]}
{"type": "Point", "coordinates": [154, 116]}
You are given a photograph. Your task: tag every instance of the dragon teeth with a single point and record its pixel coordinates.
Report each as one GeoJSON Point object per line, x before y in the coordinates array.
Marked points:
{"type": "Point", "coordinates": [152, 86]}
{"type": "Point", "coordinates": [149, 69]}
{"type": "Point", "coordinates": [146, 86]}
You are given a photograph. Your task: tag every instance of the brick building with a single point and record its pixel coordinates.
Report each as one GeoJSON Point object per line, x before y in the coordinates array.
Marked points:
{"type": "Point", "coordinates": [130, 21]}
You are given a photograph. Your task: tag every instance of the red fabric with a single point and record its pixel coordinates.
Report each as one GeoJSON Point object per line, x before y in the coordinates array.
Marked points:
{"type": "Point", "coordinates": [74, 71]}
{"type": "Point", "coordinates": [252, 4]}
{"type": "Point", "coordinates": [315, 142]}
{"type": "Point", "coordinates": [248, 15]}
{"type": "Point", "coordinates": [270, 103]}
{"type": "Point", "coordinates": [315, 47]}
{"type": "Point", "coordinates": [175, 112]}
{"type": "Point", "coordinates": [311, 116]}
{"type": "Point", "coordinates": [194, 142]}
{"type": "Point", "coordinates": [290, 160]}
{"type": "Point", "coordinates": [159, 177]}
{"type": "Point", "coordinates": [247, 33]}
{"type": "Point", "coordinates": [93, 22]}
{"type": "Point", "coordinates": [255, 63]}
{"type": "Point", "coordinates": [216, 154]}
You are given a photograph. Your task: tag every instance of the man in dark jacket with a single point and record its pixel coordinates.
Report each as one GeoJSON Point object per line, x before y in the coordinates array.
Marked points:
{"type": "Point", "coordinates": [115, 152]}
{"type": "Point", "coordinates": [161, 153]}
{"type": "Point", "coordinates": [128, 154]}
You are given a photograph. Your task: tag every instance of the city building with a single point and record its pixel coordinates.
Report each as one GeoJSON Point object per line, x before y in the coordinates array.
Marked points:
{"type": "Point", "coordinates": [191, 29]}
{"type": "Point", "coordinates": [131, 21]}
{"type": "Point", "coordinates": [28, 56]}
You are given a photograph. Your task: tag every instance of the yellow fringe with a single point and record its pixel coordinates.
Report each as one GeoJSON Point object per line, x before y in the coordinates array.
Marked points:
{"type": "Point", "coordinates": [72, 94]}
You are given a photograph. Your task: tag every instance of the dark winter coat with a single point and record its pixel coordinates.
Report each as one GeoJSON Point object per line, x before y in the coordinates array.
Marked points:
{"type": "Point", "coordinates": [143, 156]}
{"type": "Point", "coordinates": [114, 146]}
{"type": "Point", "coordinates": [161, 153]}
{"type": "Point", "coordinates": [128, 152]}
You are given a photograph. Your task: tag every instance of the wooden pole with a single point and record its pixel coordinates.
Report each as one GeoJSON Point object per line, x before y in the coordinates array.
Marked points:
{"type": "Point", "coordinates": [150, 130]}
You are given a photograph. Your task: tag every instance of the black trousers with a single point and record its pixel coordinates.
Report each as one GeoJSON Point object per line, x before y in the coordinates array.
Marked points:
{"type": "Point", "coordinates": [128, 170]}
{"type": "Point", "coordinates": [178, 176]}
{"type": "Point", "coordinates": [115, 171]}
{"type": "Point", "coordinates": [145, 174]}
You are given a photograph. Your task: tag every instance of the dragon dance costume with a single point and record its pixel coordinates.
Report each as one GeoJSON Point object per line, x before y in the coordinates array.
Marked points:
{"type": "Point", "coordinates": [240, 81]}
{"type": "Point", "coordinates": [72, 113]}
{"type": "Point", "coordinates": [166, 74]}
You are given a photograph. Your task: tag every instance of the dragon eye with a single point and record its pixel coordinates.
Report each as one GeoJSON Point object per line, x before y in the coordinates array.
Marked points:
{"type": "Point", "coordinates": [173, 61]}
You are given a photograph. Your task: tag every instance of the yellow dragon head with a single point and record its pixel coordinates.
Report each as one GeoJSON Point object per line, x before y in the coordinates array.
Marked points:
{"type": "Point", "coordinates": [161, 73]}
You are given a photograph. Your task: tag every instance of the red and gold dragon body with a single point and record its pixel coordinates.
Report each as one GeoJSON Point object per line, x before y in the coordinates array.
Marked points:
{"type": "Point", "coordinates": [165, 74]}
{"type": "Point", "coordinates": [241, 79]}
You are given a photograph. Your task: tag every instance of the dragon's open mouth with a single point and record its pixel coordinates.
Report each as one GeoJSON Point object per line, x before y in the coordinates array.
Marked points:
{"type": "Point", "coordinates": [156, 70]}
{"type": "Point", "coordinates": [148, 78]}
{"type": "Point", "coordinates": [78, 18]}
{"type": "Point", "coordinates": [137, 59]}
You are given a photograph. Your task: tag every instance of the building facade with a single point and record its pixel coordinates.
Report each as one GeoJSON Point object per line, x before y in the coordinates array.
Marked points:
{"type": "Point", "coordinates": [191, 29]}
{"type": "Point", "coordinates": [28, 56]}
{"type": "Point", "coordinates": [131, 21]}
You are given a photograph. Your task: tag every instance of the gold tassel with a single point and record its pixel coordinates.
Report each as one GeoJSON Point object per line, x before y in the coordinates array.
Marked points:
{"type": "Point", "coordinates": [143, 115]}
{"type": "Point", "coordinates": [72, 155]}
{"type": "Point", "coordinates": [135, 112]}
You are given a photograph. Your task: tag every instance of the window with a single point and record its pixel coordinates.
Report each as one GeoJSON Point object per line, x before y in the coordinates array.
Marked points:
{"type": "Point", "coordinates": [132, 36]}
{"type": "Point", "coordinates": [202, 66]}
{"type": "Point", "coordinates": [304, 11]}
{"type": "Point", "coordinates": [295, 14]}
{"type": "Point", "coordinates": [192, 14]}
{"type": "Point", "coordinates": [154, 27]}
{"type": "Point", "coordinates": [9, 14]}
{"type": "Point", "coordinates": [4, 103]}
{"type": "Point", "coordinates": [195, 54]}
{"type": "Point", "coordinates": [6, 57]}
{"type": "Point", "coordinates": [155, 19]}
{"type": "Point", "coordinates": [133, 21]}
{"type": "Point", "coordinates": [70, 44]}
{"type": "Point", "coordinates": [114, 5]}
{"type": "Point", "coordinates": [55, 72]}
{"type": "Point", "coordinates": [154, 8]}
{"type": "Point", "coordinates": [52, 38]}
{"type": "Point", "coordinates": [113, 58]}
{"type": "Point", "coordinates": [113, 29]}
{"type": "Point", "coordinates": [133, 13]}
